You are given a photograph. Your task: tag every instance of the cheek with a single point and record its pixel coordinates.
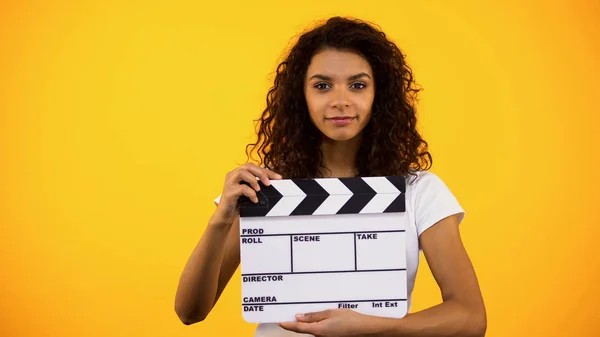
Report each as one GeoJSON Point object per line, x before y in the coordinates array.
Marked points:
{"type": "Point", "coordinates": [365, 107]}
{"type": "Point", "coordinates": [315, 107]}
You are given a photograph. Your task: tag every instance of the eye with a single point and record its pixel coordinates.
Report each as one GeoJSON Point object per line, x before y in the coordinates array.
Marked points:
{"type": "Point", "coordinates": [322, 86]}
{"type": "Point", "coordinates": [358, 85]}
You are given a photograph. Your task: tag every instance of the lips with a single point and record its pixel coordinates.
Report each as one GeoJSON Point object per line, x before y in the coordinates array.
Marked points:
{"type": "Point", "coordinates": [343, 120]}
{"type": "Point", "coordinates": [341, 117]}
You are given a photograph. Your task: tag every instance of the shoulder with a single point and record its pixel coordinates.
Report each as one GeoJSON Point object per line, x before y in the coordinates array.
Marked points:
{"type": "Point", "coordinates": [430, 200]}
{"type": "Point", "coordinates": [418, 178]}
{"type": "Point", "coordinates": [425, 183]}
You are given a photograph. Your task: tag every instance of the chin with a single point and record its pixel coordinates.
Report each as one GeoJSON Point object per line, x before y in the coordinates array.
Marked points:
{"type": "Point", "coordinates": [340, 135]}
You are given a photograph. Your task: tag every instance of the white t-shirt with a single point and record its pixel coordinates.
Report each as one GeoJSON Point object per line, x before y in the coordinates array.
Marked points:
{"type": "Point", "coordinates": [428, 200]}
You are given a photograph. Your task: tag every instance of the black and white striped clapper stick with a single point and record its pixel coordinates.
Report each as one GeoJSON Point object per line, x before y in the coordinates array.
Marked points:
{"type": "Point", "coordinates": [327, 196]}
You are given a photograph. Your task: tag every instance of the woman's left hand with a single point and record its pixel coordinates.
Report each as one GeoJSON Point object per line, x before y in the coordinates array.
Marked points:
{"type": "Point", "coordinates": [332, 323]}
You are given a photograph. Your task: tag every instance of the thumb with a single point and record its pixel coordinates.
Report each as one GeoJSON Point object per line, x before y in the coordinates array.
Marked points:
{"type": "Point", "coordinates": [314, 316]}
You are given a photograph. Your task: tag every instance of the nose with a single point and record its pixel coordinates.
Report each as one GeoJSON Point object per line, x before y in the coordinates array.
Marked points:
{"type": "Point", "coordinates": [340, 99]}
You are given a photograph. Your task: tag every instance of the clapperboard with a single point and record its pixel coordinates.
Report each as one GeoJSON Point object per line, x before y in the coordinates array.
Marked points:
{"type": "Point", "coordinates": [315, 244]}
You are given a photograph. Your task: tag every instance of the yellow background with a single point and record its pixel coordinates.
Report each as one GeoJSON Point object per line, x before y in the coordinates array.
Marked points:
{"type": "Point", "coordinates": [119, 120]}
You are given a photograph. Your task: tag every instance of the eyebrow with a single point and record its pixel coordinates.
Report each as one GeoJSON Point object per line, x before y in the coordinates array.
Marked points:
{"type": "Point", "coordinates": [351, 78]}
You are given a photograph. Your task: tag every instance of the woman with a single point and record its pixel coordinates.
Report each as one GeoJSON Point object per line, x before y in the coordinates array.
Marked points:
{"type": "Point", "coordinates": [342, 105]}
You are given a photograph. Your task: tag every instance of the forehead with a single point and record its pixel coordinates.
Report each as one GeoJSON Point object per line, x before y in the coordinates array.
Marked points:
{"type": "Point", "coordinates": [338, 63]}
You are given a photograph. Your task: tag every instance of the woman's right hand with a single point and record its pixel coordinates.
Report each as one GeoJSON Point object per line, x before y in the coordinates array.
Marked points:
{"type": "Point", "coordinates": [233, 189]}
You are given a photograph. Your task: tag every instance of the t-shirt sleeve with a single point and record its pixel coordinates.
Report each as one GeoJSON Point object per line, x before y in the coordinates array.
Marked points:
{"type": "Point", "coordinates": [433, 202]}
{"type": "Point", "coordinates": [217, 200]}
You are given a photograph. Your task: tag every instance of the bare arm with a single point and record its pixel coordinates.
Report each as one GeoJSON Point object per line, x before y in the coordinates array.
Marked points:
{"type": "Point", "coordinates": [462, 312]}
{"type": "Point", "coordinates": [217, 255]}
{"type": "Point", "coordinates": [207, 272]}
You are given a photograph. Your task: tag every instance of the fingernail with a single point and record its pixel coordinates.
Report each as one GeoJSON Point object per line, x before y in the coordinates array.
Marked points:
{"type": "Point", "coordinates": [299, 315]}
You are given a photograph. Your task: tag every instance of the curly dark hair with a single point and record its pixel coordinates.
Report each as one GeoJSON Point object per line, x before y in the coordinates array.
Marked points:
{"type": "Point", "coordinates": [289, 143]}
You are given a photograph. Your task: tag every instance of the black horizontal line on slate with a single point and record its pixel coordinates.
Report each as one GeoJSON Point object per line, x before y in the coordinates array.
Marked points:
{"type": "Point", "coordinates": [326, 233]}
{"type": "Point", "coordinates": [328, 272]}
{"type": "Point", "coordinates": [319, 302]}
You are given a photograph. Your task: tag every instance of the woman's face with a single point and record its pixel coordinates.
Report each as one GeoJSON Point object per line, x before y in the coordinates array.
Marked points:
{"type": "Point", "coordinates": [339, 89]}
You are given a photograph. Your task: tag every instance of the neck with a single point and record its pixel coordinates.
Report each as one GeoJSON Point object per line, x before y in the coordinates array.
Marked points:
{"type": "Point", "coordinates": [339, 157]}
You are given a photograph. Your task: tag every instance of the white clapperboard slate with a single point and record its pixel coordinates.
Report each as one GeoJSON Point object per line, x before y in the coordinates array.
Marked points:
{"type": "Point", "coordinates": [317, 244]}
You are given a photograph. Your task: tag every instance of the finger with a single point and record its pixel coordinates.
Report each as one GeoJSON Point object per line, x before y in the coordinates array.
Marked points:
{"type": "Point", "coordinates": [260, 172]}
{"type": "Point", "coordinates": [248, 177]}
{"type": "Point", "coordinates": [249, 192]}
{"type": "Point", "coordinates": [264, 174]}
{"type": "Point", "coordinates": [272, 174]}
{"type": "Point", "coordinates": [314, 316]}
{"type": "Point", "coordinates": [299, 327]}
